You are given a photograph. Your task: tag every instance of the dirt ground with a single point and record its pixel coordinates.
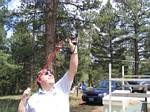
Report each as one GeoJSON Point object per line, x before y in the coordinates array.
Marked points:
{"type": "Point", "coordinates": [77, 105]}
{"type": "Point", "coordinates": [86, 108]}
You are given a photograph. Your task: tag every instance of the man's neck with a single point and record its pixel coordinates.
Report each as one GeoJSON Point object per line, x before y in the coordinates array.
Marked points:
{"type": "Point", "coordinates": [48, 87]}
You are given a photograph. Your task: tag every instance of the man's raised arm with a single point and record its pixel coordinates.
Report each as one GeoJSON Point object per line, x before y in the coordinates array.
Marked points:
{"type": "Point", "coordinates": [73, 60]}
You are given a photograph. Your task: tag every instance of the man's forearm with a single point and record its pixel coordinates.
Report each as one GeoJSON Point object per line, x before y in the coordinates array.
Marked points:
{"type": "Point", "coordinates": [24, 98]}
{"type": "Point", "coordinates": [21, 107]}
{"type": "Point", "coordinates": [73, 63]}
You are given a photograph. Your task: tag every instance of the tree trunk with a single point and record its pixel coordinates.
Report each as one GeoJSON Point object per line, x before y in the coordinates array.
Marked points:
{"type": "Point", "coordinates": [136, 53]}
{"type": "Point", "coordinates": [50, 27]}
{"type": "Point", "coordinates": [136, 58]}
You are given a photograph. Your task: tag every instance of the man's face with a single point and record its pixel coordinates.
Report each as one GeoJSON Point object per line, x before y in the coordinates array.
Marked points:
{"type": "Point", "coordinates": [46, 77]}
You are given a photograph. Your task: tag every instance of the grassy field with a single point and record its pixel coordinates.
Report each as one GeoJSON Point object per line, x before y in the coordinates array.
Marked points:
{"type": "Point", "coordinates": [9, 103]}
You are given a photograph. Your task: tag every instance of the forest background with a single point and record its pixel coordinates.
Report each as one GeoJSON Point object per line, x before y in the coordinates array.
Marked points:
{"type": "Point", "coordinates": [117, 32]}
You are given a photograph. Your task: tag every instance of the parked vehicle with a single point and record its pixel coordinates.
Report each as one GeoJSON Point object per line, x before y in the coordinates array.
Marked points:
{"type": "Point", "coordinates": [135, 86]}
{"type": "Point", "coordinates": [95, 95]}
{"type": "Point", "coordinates": [139, 86]}
{"type": "Point", "coordinates": [145, 85]}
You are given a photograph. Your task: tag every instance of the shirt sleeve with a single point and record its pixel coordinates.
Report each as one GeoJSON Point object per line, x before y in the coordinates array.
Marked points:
{"type": "Point", "coordinates": [64, 84]}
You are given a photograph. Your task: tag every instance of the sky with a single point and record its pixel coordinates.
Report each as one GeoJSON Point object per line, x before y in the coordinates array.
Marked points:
{"type": "Point", "coordinates": [13, 4]}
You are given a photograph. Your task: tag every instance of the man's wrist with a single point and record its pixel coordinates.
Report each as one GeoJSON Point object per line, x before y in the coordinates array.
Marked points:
{"type": "Point", "coordinates": [74, 50]}
{"type": "Point", "coordinates": [74, 53]}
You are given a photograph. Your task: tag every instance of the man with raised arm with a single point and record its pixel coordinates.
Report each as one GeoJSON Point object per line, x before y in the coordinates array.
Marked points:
{"type": "Point", "coordinates": [51, 96]}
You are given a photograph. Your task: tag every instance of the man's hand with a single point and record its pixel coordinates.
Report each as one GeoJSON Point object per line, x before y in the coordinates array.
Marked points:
{"type": "Point", "coordinates": [26, 94]}
{"type": "Point", "coordinates": [73, 46]}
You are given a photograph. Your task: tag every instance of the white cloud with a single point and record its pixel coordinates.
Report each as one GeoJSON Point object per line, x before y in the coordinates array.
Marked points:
{"type": "Point", "coordinates": [14, 4]}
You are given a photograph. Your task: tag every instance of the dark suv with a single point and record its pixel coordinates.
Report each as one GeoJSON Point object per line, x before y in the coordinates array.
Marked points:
{"type": "Point", "coordinates": [95, 95]}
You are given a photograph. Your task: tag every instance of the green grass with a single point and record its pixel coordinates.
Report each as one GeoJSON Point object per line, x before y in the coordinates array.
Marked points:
{"type": "Point", "coordinates": [9, 103]}
{"type": "Point", "coordinates": [11, 97]}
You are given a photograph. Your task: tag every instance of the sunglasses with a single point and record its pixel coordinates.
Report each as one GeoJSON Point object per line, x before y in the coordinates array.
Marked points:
{"type": "Point", "coordinates": [43, 72]}
{"type": "Point", "coordinates": [48, 73]}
